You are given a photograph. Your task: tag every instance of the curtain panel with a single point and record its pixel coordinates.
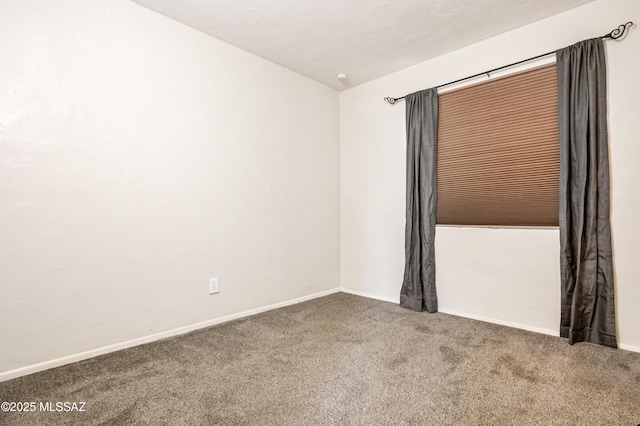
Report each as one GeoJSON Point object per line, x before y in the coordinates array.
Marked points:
{"type": "Point", "coordinates": [419, 285]}
{"type": "Point", "coordinates": [587, 282]}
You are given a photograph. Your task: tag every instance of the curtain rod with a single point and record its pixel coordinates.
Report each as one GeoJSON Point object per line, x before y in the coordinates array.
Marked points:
{"type": "Point", "coordinates": [614, 35]}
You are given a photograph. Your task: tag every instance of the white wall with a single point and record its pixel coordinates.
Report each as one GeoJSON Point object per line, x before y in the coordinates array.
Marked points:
{"type": "Point", "coordinates": [138, 158]}
{"type": "Point", "coordinates": [504, 275]}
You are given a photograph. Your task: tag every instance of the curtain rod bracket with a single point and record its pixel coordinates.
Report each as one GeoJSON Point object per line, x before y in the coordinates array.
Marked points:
{"type": "Point", "coordinates": [614, 35]}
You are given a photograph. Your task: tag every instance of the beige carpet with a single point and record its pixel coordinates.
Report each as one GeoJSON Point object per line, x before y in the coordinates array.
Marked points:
{"type": "Point", "coordinates": [343, 360]}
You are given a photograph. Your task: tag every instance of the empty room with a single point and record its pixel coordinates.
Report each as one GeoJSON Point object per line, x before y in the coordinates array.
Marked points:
{"type": "Point", "coordinates": [320, 212]}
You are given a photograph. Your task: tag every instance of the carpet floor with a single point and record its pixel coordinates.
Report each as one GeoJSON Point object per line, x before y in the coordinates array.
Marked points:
{"type": "Point", "coordinates": [341, 360]}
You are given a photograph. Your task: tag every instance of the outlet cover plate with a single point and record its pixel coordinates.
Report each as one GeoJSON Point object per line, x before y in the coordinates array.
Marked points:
{"type": "Point", "coordinates": [213, 286]}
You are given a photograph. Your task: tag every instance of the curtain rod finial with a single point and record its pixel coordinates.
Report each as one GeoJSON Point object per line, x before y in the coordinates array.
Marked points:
{"type": "Point", "coordinates": [619, 32]}
{"type": "Point", "coordinates": [393, 100]}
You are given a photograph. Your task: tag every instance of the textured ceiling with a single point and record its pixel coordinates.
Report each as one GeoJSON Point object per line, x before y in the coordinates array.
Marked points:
{"type": "Point", "coordinates": [365, 39]}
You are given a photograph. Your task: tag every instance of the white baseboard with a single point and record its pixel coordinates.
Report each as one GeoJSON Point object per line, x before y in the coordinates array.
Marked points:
{"type": "Point", "coordinates": [540, 330]}
{"type": "Point", "coordinates": [629, 348]}
{"type": "Point", "coordinates": [460, 314]}
{"type": "Point", "coordinates": [23, 371]}
{"type": "Point", "coordinates": [370, 296]}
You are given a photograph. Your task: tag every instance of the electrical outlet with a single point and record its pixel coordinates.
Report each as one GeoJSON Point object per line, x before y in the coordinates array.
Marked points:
{"type": "Point", "coordinates": [213, 286]}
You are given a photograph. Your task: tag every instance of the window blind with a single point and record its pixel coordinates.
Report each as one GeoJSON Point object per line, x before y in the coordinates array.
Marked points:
{"type": "Point", "coordinates": [498, 152]}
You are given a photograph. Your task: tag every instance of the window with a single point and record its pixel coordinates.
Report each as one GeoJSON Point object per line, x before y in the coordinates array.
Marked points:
{"type": "Point", "coordinates": [498, 152]}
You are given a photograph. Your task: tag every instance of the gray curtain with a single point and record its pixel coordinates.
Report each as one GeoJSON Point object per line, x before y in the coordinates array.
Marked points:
{"type": "Point", "coordinates": [419, 285]}
{"type": "Point", "coordinates": [585, 236]}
